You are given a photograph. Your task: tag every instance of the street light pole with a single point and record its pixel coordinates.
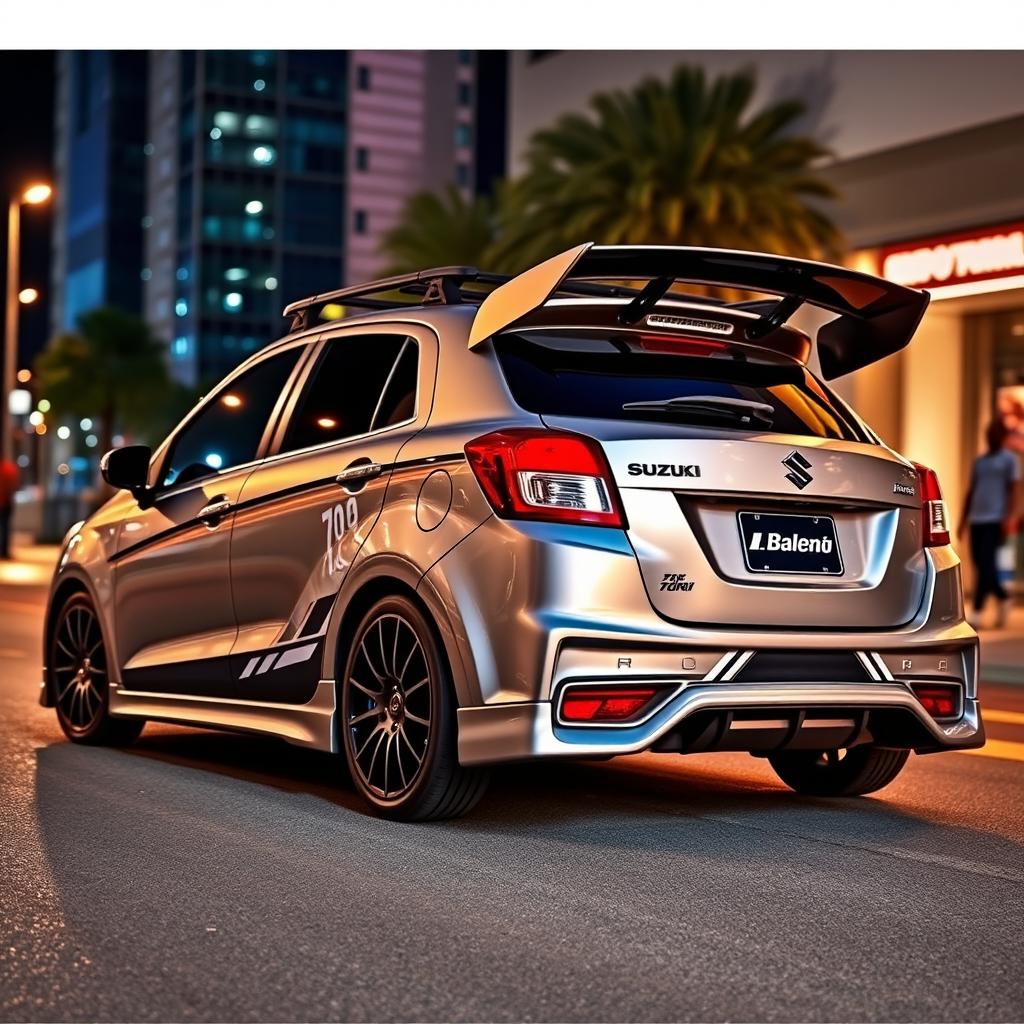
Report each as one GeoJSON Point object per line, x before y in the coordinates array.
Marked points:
{"type": "Point", "coordinates": [34, 195]}
{"type": "Point", "coordinates": [10, 326]}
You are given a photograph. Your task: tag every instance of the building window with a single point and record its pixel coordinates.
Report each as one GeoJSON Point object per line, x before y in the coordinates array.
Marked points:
{"type": "Point", "coordinates": [359, 222]}
{"type": "Point", "coordinates": [463, 135]}
{"type": "Point", "coordinates": [465, 57]}
{"type": "Point", "coordinates": [465, 94]}
{"type": "Point", "coordinates": [363, 78]}
{"type": "Point", "coordinates": [462, 174]}
{"type": "Point", "coordinates": [362, 158]}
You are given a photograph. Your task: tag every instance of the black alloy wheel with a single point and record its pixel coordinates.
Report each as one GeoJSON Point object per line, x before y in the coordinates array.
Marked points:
{"type": "Point", "coordinates": [398, 718]}
{"type": "Point", "coordinates": [79, 677]}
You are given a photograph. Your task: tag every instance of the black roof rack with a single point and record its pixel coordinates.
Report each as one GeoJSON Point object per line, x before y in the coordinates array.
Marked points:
{"type": "Point", "coordinates": [441, 286]}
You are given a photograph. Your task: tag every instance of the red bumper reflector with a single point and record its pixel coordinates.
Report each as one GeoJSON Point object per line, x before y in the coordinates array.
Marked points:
{"type": "Point", "coordinates": [607, 704]}
{"type": "Point", "coordinates": [938, 700]}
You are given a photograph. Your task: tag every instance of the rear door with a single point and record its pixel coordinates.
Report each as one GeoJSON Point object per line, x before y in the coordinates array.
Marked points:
{"type": "Point", "coordinates": [798, 520]}
{"type": "Point", "coordinates": [305, 512]}
{"type": "Point", "coordinates": [173, 604]}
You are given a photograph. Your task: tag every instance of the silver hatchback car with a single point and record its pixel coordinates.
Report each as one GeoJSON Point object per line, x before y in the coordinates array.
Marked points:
{"type": "Point", "coordinates": [574, 513]}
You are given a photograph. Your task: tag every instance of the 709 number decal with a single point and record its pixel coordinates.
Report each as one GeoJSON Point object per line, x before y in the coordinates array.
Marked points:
{"type": "Point", "coordinates": [339, 520]}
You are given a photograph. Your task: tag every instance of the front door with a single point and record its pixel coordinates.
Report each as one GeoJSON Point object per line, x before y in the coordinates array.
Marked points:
{"type": "Point", "coordinates": [306, 511]}
{"type": "Point", "coordinates": [172, 586]}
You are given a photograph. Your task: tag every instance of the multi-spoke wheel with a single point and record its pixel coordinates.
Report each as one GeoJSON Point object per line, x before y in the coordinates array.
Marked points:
{"type": "Point", "coordinates": [398, 718]}
{"type": "Point", "coordinates": [78, 670]}
{"type": "Point", "coordinates": [848, 772]}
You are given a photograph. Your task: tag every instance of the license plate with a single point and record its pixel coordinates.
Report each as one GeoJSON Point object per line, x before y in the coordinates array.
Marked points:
{"type": "Point", "coordinates": [794, 544]}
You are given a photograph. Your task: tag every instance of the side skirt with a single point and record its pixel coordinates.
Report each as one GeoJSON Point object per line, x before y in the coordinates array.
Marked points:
{"type": "Point", "coordinates": [306, 725]}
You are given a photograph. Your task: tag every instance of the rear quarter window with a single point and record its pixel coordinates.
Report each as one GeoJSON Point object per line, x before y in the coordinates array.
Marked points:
{"type": "Point", "coordinates": [593, 377]}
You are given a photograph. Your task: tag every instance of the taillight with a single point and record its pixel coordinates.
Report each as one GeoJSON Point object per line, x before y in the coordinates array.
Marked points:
{"type": "Point", "coordinates": [938, 699]}
{"type": "Point", "coordinates": [663, 345]}
{"type": "Point", "coordinates": [936, 525]}
{"type": "Point", "coordinates": [605, 703]}
{"type": "Point", "coordinates": [545, 474]}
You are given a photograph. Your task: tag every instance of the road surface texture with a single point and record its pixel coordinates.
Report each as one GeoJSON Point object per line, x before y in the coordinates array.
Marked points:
{"type": "Point", "coordinates": [205, 876]}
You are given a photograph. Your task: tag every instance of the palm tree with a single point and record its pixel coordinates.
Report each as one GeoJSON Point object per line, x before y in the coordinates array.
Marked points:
{"type": "Point", "coordinates": [112, 370]}
{"type": "Point", "coordinates": [439, 230]}
{"type": "Point", "coordinates": [683, 162]}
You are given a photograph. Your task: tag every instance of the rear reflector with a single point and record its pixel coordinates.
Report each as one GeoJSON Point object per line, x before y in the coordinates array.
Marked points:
{"type": "Point", "coordinates": [936, 525]}
{"type": "Point", "coordinates": [551, 475]}
{"type": "Point", "coordinates": [940, 701]}
{"type": "Point", "coordinates": [606, 704]}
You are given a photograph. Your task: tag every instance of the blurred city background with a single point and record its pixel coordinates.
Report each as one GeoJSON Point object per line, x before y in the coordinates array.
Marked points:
{"type": "Point", "coordinates": [167, 205]}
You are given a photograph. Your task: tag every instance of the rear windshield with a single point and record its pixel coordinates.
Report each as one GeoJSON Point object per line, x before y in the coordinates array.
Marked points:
{"type": "Point", "coordinates": [584, 374]}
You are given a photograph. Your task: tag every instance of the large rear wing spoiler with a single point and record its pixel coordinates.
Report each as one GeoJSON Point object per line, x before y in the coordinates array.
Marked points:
{"type": "Point", "coordinates": [875, 317]}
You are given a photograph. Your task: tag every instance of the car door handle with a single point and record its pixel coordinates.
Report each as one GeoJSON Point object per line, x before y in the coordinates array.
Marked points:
{"type": "Point", "coordinates": [213, 513]}
{"type": "Point", "coordinates": [360, 471]}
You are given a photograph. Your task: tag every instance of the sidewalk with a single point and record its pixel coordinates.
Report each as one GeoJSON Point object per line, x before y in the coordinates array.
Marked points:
{"type": "Point", "coordinates": [1002, 650]}
{"type": "Point", "coordinates": [32, 564]}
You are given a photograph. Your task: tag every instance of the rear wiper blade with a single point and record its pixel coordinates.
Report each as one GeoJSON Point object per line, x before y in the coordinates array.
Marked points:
{"type": "Point", "coordinates": [740, 410]}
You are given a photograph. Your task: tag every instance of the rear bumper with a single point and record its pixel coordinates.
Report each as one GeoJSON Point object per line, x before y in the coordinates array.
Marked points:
{"type": "Point", "coordinates": [886, 712]}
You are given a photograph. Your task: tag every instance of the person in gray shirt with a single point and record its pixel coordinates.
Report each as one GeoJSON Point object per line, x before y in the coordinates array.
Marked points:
{"type": "Point", "coordinates": [990, 508]}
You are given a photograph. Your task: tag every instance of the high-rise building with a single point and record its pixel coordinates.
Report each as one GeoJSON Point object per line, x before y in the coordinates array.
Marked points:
{"type": "Point", "coordinates": [100, 134]}
{"type": "Point", "coordinates": [272, 175]}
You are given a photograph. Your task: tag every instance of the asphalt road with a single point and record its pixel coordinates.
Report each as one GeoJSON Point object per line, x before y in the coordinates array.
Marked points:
{"type": "Point", "coordinates": [199, 876]}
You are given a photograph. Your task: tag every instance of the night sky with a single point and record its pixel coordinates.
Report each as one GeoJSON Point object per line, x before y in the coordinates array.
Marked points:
{"type": "Point", "coordinates": [26, 154]}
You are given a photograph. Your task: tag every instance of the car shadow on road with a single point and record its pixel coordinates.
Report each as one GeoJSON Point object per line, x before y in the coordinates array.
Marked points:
{"type": "Point", "coordinates": [620, 804]}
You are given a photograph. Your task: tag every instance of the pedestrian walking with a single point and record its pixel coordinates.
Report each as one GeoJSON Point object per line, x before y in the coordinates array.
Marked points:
{"type": "Point", "coordinates": [8, 485]}
{"type": "Point", "coordinates": [990, 510]}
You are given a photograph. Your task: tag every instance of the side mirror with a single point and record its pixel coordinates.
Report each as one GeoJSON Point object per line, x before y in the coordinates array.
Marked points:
{"type": "Point", "coordinates": [127, 468]}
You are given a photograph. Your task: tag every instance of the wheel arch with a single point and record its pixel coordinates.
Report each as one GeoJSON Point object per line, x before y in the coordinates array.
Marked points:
{"type": "Point", "coordinates": [385, 576]}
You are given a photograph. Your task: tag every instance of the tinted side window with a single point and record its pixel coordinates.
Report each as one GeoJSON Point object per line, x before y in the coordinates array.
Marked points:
{"type": "Point", "coordinates": [359, 384]}
{"type": "Point", "coordinates": [227, 432]}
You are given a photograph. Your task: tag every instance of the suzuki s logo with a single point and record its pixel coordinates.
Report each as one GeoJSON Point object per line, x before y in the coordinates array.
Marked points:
{"type": "Point", "coordinates": [797, 466]}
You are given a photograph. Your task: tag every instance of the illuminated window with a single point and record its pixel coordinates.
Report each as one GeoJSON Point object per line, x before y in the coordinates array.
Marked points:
{"type": "Point", "coordinates": [181, 308]}
{"type": "Point", "coordinates": [258, 126]}
{"type": "Point", "coordinates": [227, 121]}
{"type": "Point", "coordinates": [233, 302]}
{"type": "Point", "coordinates": [253, 207]}
{"type": "Point", "coordinates": [263, 156]}
{"type": "Point", "coordinates": [236, 274]}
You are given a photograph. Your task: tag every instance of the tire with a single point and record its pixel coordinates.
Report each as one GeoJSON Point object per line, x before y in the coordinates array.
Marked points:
{"type": "Point", "coordinates": [398, 727]}
{"type": "Point", "coordinates": [851, 772]}
{"type": "Point", "coordinates": [78, 667]}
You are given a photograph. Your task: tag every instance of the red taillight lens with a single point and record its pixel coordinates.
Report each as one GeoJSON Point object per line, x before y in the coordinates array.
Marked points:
{"type": "Point", "coordinates": [546, 474]}
{"type": "Point", "coordinates": [938, 700]}
{"type": "Point", "coordinates": [680, 346]}
{"type": "Point", "coordinates": [936, 525]}
{"type": "Point", "coordinates": [607, 704]}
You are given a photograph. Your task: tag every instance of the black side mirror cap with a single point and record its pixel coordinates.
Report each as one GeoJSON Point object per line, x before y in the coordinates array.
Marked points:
{"type": "Point", "coordinates": [127, 468]}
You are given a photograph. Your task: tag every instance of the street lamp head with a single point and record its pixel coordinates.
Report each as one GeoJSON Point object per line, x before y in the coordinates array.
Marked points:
{"type": "Point", "coordinates": [27, 296]}
{"type": "Point", "coordinates": [36, 194]}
